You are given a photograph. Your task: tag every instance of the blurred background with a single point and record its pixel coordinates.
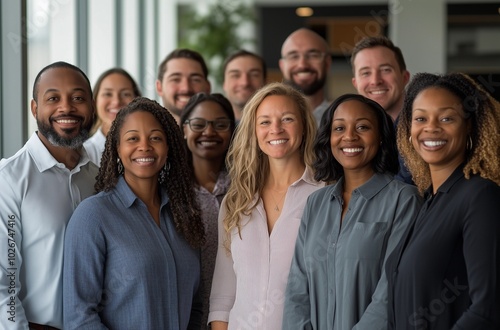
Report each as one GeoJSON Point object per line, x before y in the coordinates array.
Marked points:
{"type": "Point", "coordinates": [435, 36]}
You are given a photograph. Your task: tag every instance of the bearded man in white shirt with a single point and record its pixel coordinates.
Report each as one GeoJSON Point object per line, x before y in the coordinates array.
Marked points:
{"type": "Point", "coordinates": [41, 186]}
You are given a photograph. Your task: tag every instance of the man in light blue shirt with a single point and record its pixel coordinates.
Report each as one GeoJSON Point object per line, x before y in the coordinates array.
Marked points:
{"type": "Point", "coordinates": [41, 186]}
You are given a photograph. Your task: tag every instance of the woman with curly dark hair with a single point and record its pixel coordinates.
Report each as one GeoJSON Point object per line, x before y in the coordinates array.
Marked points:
{"type": "Point", "coordinates": [349, 228]}
{"type": "Point", "coordinates": [132, 251]}
{"type": "Point", "coordinates": [445, 273]}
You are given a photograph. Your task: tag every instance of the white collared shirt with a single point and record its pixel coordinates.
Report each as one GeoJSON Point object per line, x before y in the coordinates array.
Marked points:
{"type": "Point", "coordinates": [38, 196]}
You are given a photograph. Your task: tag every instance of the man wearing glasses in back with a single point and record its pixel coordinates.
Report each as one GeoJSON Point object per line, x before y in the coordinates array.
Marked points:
{"type": "Point", "coordinates": [305, 62]}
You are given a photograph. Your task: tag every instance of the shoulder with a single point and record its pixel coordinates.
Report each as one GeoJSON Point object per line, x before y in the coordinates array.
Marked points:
{"type": "Point", "coordinates": [94, 208]}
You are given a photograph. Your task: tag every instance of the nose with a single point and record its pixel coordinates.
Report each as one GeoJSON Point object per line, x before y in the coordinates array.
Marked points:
{"type": "Point", "coordinates": [209, 130]}
{"type": "Point", "coordinates": [276, 127]}
{"type": "Point", "coordinates": [244, 80]}
{"type": "Point", "coordinates": [184, 85]}
{"type": "Point", "coordinates": [116, 99]}
{"type": "Point", "coordinates": [432, 125]}
{"type": "Point", "coordinates": [350, 134]}
{"type": "Point", "coordinates": [66, 104]}
{"type": "Point", "coordinates": [376, 78]}
{"type": "Point", "coordinates": [144, 144]}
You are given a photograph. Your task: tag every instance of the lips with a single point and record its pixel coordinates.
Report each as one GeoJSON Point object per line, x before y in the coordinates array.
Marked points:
{"type": "Point", "coordinates": [208, 143]}
{"type": "Point", "coordinates": [378, 92]}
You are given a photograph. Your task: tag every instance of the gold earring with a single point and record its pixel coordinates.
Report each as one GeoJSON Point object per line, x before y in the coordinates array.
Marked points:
{"type": "Point", "coordinates": [409, 139]}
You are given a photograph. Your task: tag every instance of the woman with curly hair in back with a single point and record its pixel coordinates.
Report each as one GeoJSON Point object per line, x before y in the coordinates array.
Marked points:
{"type": "Point", "coordinates": [132, 251]}
{"type": "Point", "coordinates": [445, 273]}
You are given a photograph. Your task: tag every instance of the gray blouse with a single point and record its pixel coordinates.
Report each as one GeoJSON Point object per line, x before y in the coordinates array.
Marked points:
{"type": "Point", "coordinates": [336, 279]}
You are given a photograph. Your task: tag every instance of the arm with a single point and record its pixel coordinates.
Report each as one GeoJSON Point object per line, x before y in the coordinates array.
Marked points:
{"type": "Point", "coordinates": [297, 310]}
{"type": "Point", "coordinates": [481, 249]}
{"type": "Point", "coordinates": [218, 325]}
{"type": "Point", "coordinates": [223, 291]}
{"type": "Point", "coordinates": [83, 274]}
{"type": "Point", "coordinates": [375, 315]}
{"type": "Point", "coordinates": [12, 314]}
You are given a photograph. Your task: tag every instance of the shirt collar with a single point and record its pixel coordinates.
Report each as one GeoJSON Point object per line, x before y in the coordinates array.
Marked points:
{"type": "Point", "coordinates": [44, 159]}
{"type": "Point", "coordinates": [128, 197]}
{"type": "Point", "coordinates": [457, 174]}
{"type": "Point", "coordinates": [368, 190]}
{"type": "Point", "coordinates": [307, 176]}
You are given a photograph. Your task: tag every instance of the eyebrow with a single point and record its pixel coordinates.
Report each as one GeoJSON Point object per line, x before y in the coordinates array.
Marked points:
{"type": "Point", "coordinates": [380, 66]}
{"type": "Point", "coordinates": [135, 130]}
{"type": "Point", "coordinates": [55, 90]}
{"type": "Point", "coordinates": [358, 119]}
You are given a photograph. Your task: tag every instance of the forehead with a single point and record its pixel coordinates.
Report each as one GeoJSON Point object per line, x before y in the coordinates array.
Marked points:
{"type": "Point", "coordinates": [115, 79]}
{"type": "Point", "coordinates": [375, 57]}
{"type": "Point", "coordinates": [303, 41]}
{"type": "Point", "coordinates": [354, 109]}
{"type": "Point", "coordinates": [139, 120]}
{"type": "Point", "coordinates": [208, 110]}
{"type": "Point", "coordinates": [437, 97]}
{"type": "Point", "coordinates": [62, 79]}
{"type": "Point", "coordinates": [243, 63]}
{"type": "Point", "coordinates": [277, 104]}
{"type": "Point", "coordinates": [183, 66]}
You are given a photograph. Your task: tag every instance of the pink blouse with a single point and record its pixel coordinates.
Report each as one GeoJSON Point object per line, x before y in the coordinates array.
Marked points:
{"type": "Point", "coordinates": [248, 287]}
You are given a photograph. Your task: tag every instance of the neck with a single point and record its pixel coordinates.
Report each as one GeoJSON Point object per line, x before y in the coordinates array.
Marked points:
{"type": "Point", "coordinates": [237, 112]}
{"type": "Point", "coordinates": [395, 109]}
{"type": "Point", "coordinates": [145, 189]}
{"type": "Point", "coordinates": [283, 174]}
{"type": "Point", "coordinates": [206, 172]}
{"type": "Point", "coordinates": [105, 129]}
{"type": "Point", "coordinates": [316, 99]}
{"type": "Point", "coordinates": [439, 174]}
{"type": "Point", "coordinates": [67, 156]}
{"type": "Point", "coordinates": [355, 179]}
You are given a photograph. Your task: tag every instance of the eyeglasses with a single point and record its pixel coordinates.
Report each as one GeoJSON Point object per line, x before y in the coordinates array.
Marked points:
{"type": "Point", "coordinates": [200, 124]}
{"type": "Point", "coordinates": [312, 56]}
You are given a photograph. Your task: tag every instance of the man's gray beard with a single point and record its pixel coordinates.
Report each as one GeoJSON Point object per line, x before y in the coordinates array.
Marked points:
{"type": "Point", "coordinates": [58, 141]}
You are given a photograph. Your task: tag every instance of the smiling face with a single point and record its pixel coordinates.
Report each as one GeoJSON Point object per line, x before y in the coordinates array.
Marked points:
{"type": "Point", "coordinates": [142, 148]}
{"type": "Point", "coordinates": [243, 76]}
{"type": "Point", "coordinates": [377, 76]}
{"type": "Point", "coordinates": [115, 92]}
{"type": "Point", "coordinates": [439, 129]}
{"type": "Point", "coordinates": [210, 144]}
{"type": "Point", "coordinates": [355, 137]}
{"type": "Point", "coordinates": [64, 108]}
{"type": "Point", "coordinates": [305, 61]}
{"type": "Point", "coordinates": [182, 79]}
{"type": "Point", "coordinates": [279, 128]}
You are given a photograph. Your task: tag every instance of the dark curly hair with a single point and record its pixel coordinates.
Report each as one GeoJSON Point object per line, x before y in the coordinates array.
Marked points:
{"type": "Point", "coordinates": [480, 108]}
{"type": "Point", "coordinates": [386, 160]}
{"type": "Point", "coordinates": [185, 211]}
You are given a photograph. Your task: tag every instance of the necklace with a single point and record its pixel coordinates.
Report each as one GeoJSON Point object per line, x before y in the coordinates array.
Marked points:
{"type": "Point", "coordinates": [276, 207]}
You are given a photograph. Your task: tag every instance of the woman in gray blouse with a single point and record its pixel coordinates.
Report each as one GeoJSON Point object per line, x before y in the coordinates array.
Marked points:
{"type": "Point", "coordinates": [348, 229]}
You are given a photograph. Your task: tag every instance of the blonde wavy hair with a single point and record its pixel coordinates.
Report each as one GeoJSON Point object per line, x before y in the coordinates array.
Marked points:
{"type": "Point", "coordinates": [248, 166]}
{"type": "Point", "coordinates": [481, 109]}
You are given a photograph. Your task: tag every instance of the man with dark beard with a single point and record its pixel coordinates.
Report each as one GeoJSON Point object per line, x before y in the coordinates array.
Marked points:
{"type": "Point", "coordinates": [40, 186]}
{"type": "Point", "coordinates": [305, 62]}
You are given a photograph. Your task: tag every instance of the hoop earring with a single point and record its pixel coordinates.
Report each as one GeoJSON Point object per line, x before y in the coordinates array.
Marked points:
{"type": "Point", "coordinates": [469, 143]}
{"type": "Point", "coordinates": [120, 166]}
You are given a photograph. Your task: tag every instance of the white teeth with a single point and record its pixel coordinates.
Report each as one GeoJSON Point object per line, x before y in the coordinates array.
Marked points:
{"type": "Point", "coordinates": [434, 143]}
{"type": "Point", "coordinates": [208, 143]}
{"type": "Point", "coordinates": [114, 110]}
{"type": "Point", "coordinates": [304, 74]}
{"type": "Point", "coordinates": [378, 92]}
{"type": "Point", "coordinates": [352, 150]}
{"type": "Point", "coordinates": [67, 121]}
{"type": "Point", "coordinates": [183, 98]}
{"type": "Point", "coordinates": [144, 160]}
{"type": "Point", "coordinates": [276, 142]}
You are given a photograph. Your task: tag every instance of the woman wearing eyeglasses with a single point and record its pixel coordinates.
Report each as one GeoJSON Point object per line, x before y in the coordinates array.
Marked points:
{"type": "Point", "coordinates": [270, 169]}
{"type": "Point", "coordinates": [208, 125]}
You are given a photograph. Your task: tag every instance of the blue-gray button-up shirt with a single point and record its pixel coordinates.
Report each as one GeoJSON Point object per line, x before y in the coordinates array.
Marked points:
{"type": "Point", "coordinates": [336, 279]}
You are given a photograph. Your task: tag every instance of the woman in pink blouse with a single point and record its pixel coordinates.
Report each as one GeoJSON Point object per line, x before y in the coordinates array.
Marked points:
{"type": "Point", "coordinates": [269, 166]}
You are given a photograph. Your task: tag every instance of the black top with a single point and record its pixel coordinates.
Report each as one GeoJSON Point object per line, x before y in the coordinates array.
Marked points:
{"type": "Point", "coordinates": [445, 272]}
